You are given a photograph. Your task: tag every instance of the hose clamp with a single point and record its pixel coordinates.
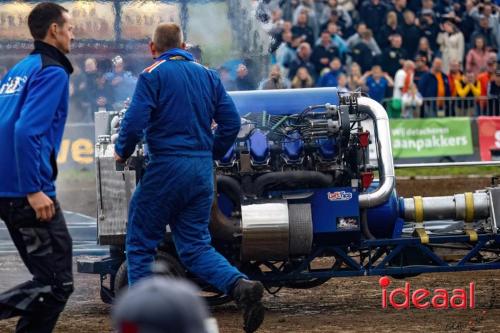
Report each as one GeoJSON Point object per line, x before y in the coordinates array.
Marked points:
{"type": "Point", "coordinates": [419, 209]}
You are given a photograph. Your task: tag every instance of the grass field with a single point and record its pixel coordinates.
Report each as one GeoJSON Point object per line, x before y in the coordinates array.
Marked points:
{"type": "Point", "coordinates": [449, 171]}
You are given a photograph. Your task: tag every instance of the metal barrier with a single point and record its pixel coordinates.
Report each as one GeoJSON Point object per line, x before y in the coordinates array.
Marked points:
{"type": "Point", "coordinates": [444, 107]}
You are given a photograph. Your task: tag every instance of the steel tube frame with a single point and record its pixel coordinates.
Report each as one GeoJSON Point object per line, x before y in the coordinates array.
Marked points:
{"type": "Point", "coordinates": [380, 253]}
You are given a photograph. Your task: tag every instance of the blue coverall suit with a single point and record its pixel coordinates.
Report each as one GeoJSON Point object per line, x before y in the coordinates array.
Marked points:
{"type": "Point", "coordinates": [175, 101]}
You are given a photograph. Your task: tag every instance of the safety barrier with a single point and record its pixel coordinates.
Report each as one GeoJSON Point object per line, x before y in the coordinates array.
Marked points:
{"type": "Point", "coordinates": [443, 107]}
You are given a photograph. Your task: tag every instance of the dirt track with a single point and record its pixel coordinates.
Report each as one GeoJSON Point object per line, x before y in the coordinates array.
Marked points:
{"type": "Point", "coordinates": [341, 305]}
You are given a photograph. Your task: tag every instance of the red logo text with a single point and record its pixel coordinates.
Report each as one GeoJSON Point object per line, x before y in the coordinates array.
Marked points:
{"type": "Point", "coordinates": [439, 298]}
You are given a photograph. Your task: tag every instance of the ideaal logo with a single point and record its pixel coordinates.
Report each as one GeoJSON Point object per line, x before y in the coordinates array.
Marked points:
{"type": "Point", "coordinates": [440, 298]}
{"type": "Point", "coordinates": [339, 196]}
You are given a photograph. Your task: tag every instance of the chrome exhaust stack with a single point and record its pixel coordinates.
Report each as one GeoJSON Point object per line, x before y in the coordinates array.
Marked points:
{"type": "Point", "coordinates": [384, 154]}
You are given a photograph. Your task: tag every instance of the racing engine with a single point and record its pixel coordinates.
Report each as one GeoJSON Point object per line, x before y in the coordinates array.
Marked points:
{"type": "Point", "coordinates": [294, 175]}
{"type": "Point", "coordinates": [299, 177]}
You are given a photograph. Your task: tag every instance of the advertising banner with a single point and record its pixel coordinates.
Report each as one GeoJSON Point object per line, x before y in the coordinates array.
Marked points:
{"type": "Point", "coordinates": [431, 137]}
{"type": "Point", "coordinates": [77, 147]}
{"type": "Point", "coordinates": [489, 136]}
{"type": "Point", "coordinates": [139, 18]}
{"type": "Point", "coordinates": [91, 20]}
{"type": "Point", "coordinates": [14, 20]}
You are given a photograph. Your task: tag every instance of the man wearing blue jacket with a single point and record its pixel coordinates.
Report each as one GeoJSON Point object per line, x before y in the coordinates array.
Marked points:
{"type": "Point", "coordinates": [33, 109]}
{"type": "Point", "coordinates": [435, 85]}
{"type": "Point", "coordinates": [173, 106]}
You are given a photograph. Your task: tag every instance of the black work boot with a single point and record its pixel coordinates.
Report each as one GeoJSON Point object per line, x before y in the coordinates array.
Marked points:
{"type": "Point", "coordinates": [247, 296]}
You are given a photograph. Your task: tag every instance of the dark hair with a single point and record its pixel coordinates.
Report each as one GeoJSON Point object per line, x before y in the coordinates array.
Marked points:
{"type": "Point", "coordinates": [42, 16]}
{"type": "Point", "coordinates": [482, 38]}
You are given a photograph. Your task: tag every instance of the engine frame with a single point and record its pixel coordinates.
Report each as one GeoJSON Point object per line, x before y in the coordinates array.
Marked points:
{"type": "Point", "coordinates": [394, 253]}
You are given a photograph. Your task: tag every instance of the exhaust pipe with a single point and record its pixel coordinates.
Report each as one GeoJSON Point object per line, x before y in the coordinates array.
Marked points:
{"type": "Point", "coordinates": [230, 187]}
{"type": "Point", "coordinates": [384, 154]}
{"type": "Point", "coordinates": [221, 227]}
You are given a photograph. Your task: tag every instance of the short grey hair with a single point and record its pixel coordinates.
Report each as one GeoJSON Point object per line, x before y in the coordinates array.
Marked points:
{"type": "Point", "coordinates": [167, 36]}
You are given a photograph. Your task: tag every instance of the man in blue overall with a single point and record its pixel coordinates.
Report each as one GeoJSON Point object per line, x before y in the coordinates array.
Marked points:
{"type": "Point", "coordinates": [175, 102]}
{"type": "Point", "coordinates": [33, 109]}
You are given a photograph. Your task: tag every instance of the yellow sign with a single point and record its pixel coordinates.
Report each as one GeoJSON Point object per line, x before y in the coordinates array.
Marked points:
{"type": "Point", "coordinates": [80, 150]}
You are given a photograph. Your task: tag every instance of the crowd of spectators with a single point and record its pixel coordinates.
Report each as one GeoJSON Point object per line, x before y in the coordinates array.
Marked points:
{"type": "Point", "coordinates": [98, 84]}
{"type": "Point", "coordinates": [421, 58]}
{"type": "Point", "coordinates": [418, 56]}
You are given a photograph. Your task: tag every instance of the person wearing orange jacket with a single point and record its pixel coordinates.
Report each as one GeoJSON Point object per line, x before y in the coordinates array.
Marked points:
{"type": "Point", "coordinates": [455, 73]}
{"type": "Point", "coordinates": [485, 78]}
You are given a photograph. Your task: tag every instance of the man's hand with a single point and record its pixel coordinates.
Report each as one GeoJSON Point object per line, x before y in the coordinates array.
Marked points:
{"type": "Point", "coordinates": [42, 205]}
{"type": "Point", "coordinates": [119, 159]}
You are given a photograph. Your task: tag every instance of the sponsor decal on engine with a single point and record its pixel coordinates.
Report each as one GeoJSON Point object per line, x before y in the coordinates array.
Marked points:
{"type": "Point", "coordinates": [339, 196]}
{"type": "Point", "coordinates": [347, 223]}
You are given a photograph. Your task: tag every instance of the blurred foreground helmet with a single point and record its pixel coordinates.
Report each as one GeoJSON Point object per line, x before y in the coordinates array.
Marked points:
{"type": "Point", "coordinates": [161, 305]}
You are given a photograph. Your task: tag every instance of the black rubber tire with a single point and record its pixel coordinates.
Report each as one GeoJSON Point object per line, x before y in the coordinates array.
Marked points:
{"type": "Point", "coordinates": [121, 278]}
{"type": "Point", "coordinates": [213, 298]}
{"type": "Point", "coordinates": [175, 269]}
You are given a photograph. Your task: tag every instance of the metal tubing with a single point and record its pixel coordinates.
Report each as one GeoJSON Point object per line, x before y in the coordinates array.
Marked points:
{"type": "Point", "coordinates": [452, 207]}
{"type": "Point", "coordinates": [266, 235]}
{"type": "Point", "coordinates": [385, 160]}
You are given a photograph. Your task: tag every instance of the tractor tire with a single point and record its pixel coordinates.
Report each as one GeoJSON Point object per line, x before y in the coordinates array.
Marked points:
{"type": "Point", "coordinates": [167, 265]}
{"type": "Point", "coordinates": [121, 278]}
